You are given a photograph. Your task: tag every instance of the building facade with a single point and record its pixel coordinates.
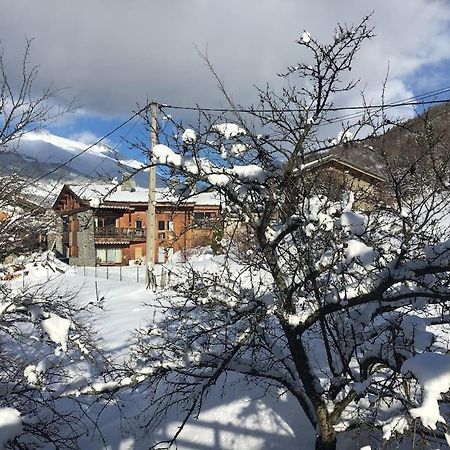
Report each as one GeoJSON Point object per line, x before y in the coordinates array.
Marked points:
{"type": "Point", "coordinates": [100, 227]}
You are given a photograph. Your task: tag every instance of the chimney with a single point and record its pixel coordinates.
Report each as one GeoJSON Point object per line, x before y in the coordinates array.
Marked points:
{"type": "Point", "coordinates": [128, 182]}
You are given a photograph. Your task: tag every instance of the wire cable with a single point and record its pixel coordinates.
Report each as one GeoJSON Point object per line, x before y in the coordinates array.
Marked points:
{"type": "Point", "coordinates": [98, 141]}
{"type": "Point", "coordinates": [402, 103]}
{"type": "Point", "coordinates": [331, 108]}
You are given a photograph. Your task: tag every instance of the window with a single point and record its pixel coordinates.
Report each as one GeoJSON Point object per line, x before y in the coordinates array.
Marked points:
{"type": "Point", "coordinates": [65, 221]}
{"type": "Point", "coordinates": [203, 218]}
{"type": "Point", "coordinates": [139, 231]}
{"type": "Point", "coordinates": [165, 225]}
{"type": "Point", "coordinates": [202, 215]}
{"type": "Point", "coordinates": [162, 255]}
{"type": "Point", "coordinates": [110, 255]}
{"type": "Point", "coordinates": [109, 222]}
{"type": "Point", "coordinates": [105, 222]}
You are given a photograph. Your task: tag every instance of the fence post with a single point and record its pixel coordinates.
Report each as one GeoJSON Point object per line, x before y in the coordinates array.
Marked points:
{"type": "Point", "coordinates": [151, 277]}
{"type": "Point", "coordinates": [107, 272]}
{"type": "Point", "coordinates": [120, 273]}
{"type": "Point", "coordinates": [84, 271]}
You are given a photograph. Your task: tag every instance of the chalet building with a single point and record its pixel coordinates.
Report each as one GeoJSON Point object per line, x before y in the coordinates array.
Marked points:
{"type": "Point", "coordinates": [341, 174]}
{"type": "Point", "coordinates": [97, 226]}
{"type": "Point", "coordinates": [330, 175]}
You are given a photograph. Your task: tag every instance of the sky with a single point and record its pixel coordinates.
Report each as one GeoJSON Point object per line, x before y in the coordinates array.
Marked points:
{"type": "Point", "coordinates": [112, 55]}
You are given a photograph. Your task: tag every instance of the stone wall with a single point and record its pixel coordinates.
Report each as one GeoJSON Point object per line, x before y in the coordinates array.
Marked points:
{"type": "Point", "coordinates": [85, 240]}
{"type": "Point", "coordinates": [54, 236]}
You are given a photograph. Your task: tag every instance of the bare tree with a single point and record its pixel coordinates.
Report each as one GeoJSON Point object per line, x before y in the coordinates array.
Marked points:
{"type": "Point", "coordinates": [332, 299]}
{"type": "Point", "coordinates": [23, 109]}
{"type": "Point", "coordinates": [42, 336]}
{"type": "Point", "coordinates": [41, 329]}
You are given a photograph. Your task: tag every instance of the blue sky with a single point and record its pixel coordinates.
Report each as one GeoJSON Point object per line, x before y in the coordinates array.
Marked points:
{"type": "Point", "coordinates": [112, 58]}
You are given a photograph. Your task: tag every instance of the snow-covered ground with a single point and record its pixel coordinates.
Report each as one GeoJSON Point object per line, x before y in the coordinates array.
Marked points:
{"type": "Point", "coordinates": [236, 416]}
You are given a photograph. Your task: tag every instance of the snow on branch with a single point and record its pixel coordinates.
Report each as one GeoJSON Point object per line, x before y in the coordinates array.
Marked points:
{"type": "Point", "coordinates": [432, 370]}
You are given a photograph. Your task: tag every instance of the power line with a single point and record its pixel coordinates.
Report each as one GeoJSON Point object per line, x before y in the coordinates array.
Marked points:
{"type": "Point", "coordinates": [408, 99]}
{"type": "Point", "coordinates": [332, 108]}
{"type": "Point", "coordinates": [98, 141]}
{"type": "Point", "coordinates": [401, 103]}
{"type": "Point", "coordinates": [429, 94]}
{"type": "Point", "coordinates": [104, 158]}
{"type": "Point", "coordinates": [424, 95]}
{"type": "Point", "coordinates": [116, 147]}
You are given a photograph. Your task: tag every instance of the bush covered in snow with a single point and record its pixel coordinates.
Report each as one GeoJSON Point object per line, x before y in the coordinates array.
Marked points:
{"type": "Point", "coordinates": [41, 338]}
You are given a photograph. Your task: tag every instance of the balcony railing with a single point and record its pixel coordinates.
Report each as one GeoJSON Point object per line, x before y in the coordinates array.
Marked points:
{"type": "Point", "coordinates": [131, 234]}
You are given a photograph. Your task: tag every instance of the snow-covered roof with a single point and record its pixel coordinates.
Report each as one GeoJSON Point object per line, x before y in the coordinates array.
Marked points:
{"type": "Point", "coordinates": [316, 162]}
{"type": "Point", "coordinates": [97, 194]}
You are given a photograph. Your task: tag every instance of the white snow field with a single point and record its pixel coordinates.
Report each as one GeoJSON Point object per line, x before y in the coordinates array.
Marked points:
{"type": "Point", "coordinates": [235, 416]}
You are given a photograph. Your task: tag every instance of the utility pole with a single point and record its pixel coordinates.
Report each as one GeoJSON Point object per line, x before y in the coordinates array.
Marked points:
{"type": "Point", "coordinates": [150, 250]}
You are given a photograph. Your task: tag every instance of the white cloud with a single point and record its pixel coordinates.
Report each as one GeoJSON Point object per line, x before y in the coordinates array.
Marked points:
{"type": "Point", "coordinates": [86, 137]}
{"type": "Point", "coordinates": [116, 54]}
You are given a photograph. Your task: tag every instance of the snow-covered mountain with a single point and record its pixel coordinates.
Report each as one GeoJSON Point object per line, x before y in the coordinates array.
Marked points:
{"type": "Point", "coordinates": [54, 160]}
{"type": "Point", "coordinates": [97, 161]}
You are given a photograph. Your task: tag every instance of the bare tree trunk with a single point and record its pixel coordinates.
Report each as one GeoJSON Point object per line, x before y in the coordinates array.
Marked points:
{"type": "Point", "coordinates": [327, 442]}
{"type": "Point", "coordinates": [326, 439]}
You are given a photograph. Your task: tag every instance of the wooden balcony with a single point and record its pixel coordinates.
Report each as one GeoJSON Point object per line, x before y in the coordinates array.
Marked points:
{"type": "Point", "coordinates": [125, 234]}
